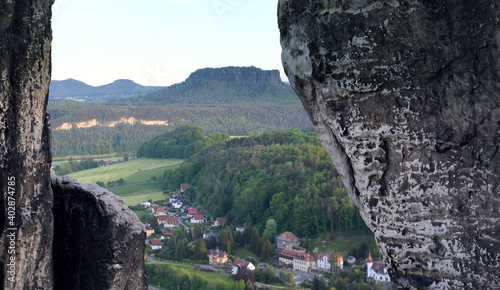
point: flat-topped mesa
(405, 98)
(237, 75)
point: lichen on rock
(405, 98)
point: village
(291, 262)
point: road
(182, 223)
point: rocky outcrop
(237, 75)
(405, 98)
(26, 199)
(98, 241)
(33, 253)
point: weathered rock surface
(108, 245)
(98, 241)
(26, 199)
(405, 97)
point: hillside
(71, 90)
(222, 85)
(286, 176)
(232, 100)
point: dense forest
(230, 119)
(285, 176)
(181, 143)
(102, 140)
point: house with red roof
(197, 219)
(287, 240)
(156, 244)
(304, 262)
(159, 210)
(184, 186)
(220, 221)
(192, 211)
(167, 234)
(217, 257)
(287, 256)
(171, 222)
(162, 219)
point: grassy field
(244, 252)
(134, 194)
(212, 277)
(146, 175)
(122, 170)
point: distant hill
(70, 90)
(221, 85)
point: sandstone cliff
(98, 241)
(405, 98)
(93, 231)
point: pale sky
(160, 42)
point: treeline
(286, 176)
(181, 143)
(73, 165)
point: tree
(271, 230)
(200, 250)
(290, 278)
(318, 284)
(267, 249)
(180, 250)
(226, 241)
(217, 212)
(245, 275)
(211, 242)
(254, 239)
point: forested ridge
(180, 143)
(235, 119)
(286, 176)
(231, 100)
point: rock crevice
(85, 237)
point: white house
(376, 270)
(156, 244)
(146, 203)
(177, 204)
(240, 264)
(198, 219)
(323, 262)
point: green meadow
(134, 194)
(141, 178)
(123, 170)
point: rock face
(405, 97)
(98, 241)
(33, 253)
(26, 199)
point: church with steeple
(376, 270)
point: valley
(174, 157)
